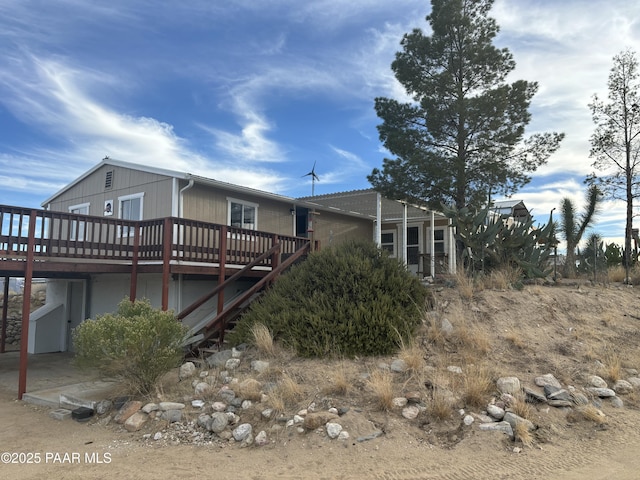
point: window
(438, 241)
(130, 208)
(78, 228)
(413, 245)
(388, 241)
(243, 214)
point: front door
(413, 249)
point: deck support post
(26, 306)
(5, 310)
(166, 262)
(222, 261)
(134, 264)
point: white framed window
(78, 228)
(388, 241)
(438, 241)
(130, 207)
(242, 214)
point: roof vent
(108, 180)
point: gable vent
(108, 180)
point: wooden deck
(71, 245)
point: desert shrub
(138, 344)
(351, 299)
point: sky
(257, 92)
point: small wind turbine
(314, 178)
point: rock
(197, 403)
(468, 420)
(104, 406)
(483, 418)
(580, 399)
(232, 363)
(400, 402)
(504, 427)
(259, 366)
(616, 402)
(560, 403)
(204, 420)
(164, 406)
(218, 422)
(446, 327)
(318, 419)
(634, 381)
(261, 439)
(219, 359)
(495, 412)
(218, 406)
(333, 429)
(509, 385)
(454, 369)
(242, 432)
(344, 435)
(128, 409)
(136, 421)
(534, 395)
(187, 370)
(513, 420)
(601, 392)
(398, 366)
(413, 397)
(410, 412)
(547, 379)
(622, 387)
(598, 382)
(172, 416)
(250, 389)
(202, 388)
(559, 394)
(150, 407)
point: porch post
(166, 262)
(5, 307)
(134, 265)
(432, 247)
(404, 233)
(26, 306)
(378, 232)
(453, 261)
(222, 254)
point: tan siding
(332, 229)
(156, 188)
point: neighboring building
(510, 212)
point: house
(510, 212)
(422, 238)
(198, 246)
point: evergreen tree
(462, 137)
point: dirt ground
(570, 331)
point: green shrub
(352, 299)
(138, 344)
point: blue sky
(254, 92)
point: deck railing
(68, 235)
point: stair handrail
(235, 276)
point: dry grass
(440, 406)
(612, 369)
(591, 413)
(381, 384)
(502, 279)
(263, 340)
(515, 340)
(413, 357)
(520, 407)
(523, 434)
(339, 383)
(471, 339)
(478, 385)
(465, 284)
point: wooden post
(222, 260)
(26, 306)
(5, 308)
(134, 264)
(166, 262)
